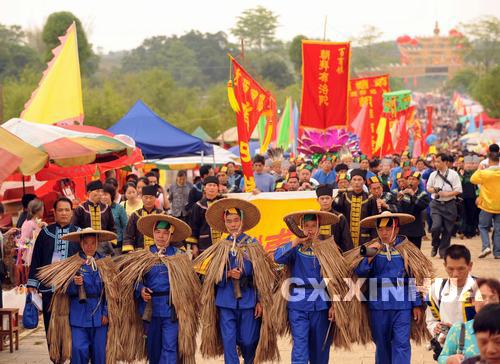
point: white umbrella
(220, 156)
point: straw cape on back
(185, 291)
(60, 275)
(263, 275)
(417, 266)
(333, 270)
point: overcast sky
(115, 25)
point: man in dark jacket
(49, 248)
(202, 235)
(386, 201)
(414, 201)
(356, 205)
(196, 192)
(133, 239)
(339, 231)
(96, 215)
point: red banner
(249, 101)
(325, 80)
(368, 91)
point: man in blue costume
(325, 175)
(86, 281)
(93, 213)
(166, 288)
(310, 312)
(50, 248)
(236, 288)
(392, 265)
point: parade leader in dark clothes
(49, 248)
(356, 205)
(339, 231)
(203, 235)
(133, 239)
(413, 202)
(96, 215)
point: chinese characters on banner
(249, 100)
(325, 80)
(368, 91)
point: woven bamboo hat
(325, 218)
(146, 225)
(215, 213)
(371, 222)
(101, 235)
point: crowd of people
(139, 260)
(170, 245)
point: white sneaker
(485, 252)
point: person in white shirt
(448, 301)
(444, 184)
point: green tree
(463, 81)
(295, 52)
(256, 27)
(15, 54)
(211, 53)
(487, 91)
(17, 90)
(194, 59)
(56, 26)
(276, 70)
(481, 43)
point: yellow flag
(380, 133)
(58, 98)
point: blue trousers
(391, 334)
(88, 344)
(238, 327)
(309, 329)
(486, 219)
(161, 342)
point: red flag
(403, 121)
(367, 91)
(383, 145)
(417, 139)
(363, 129)
(249, 101)
(428, 129)
(325, 82)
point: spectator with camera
(444, 184)
(414, 201)
(448, 301)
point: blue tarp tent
(155, 136)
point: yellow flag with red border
(58, 98)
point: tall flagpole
(324, 28)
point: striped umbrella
(66, 148)
(19, 156)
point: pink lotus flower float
(331, 141)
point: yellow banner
(58, 98)
(272, 230)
